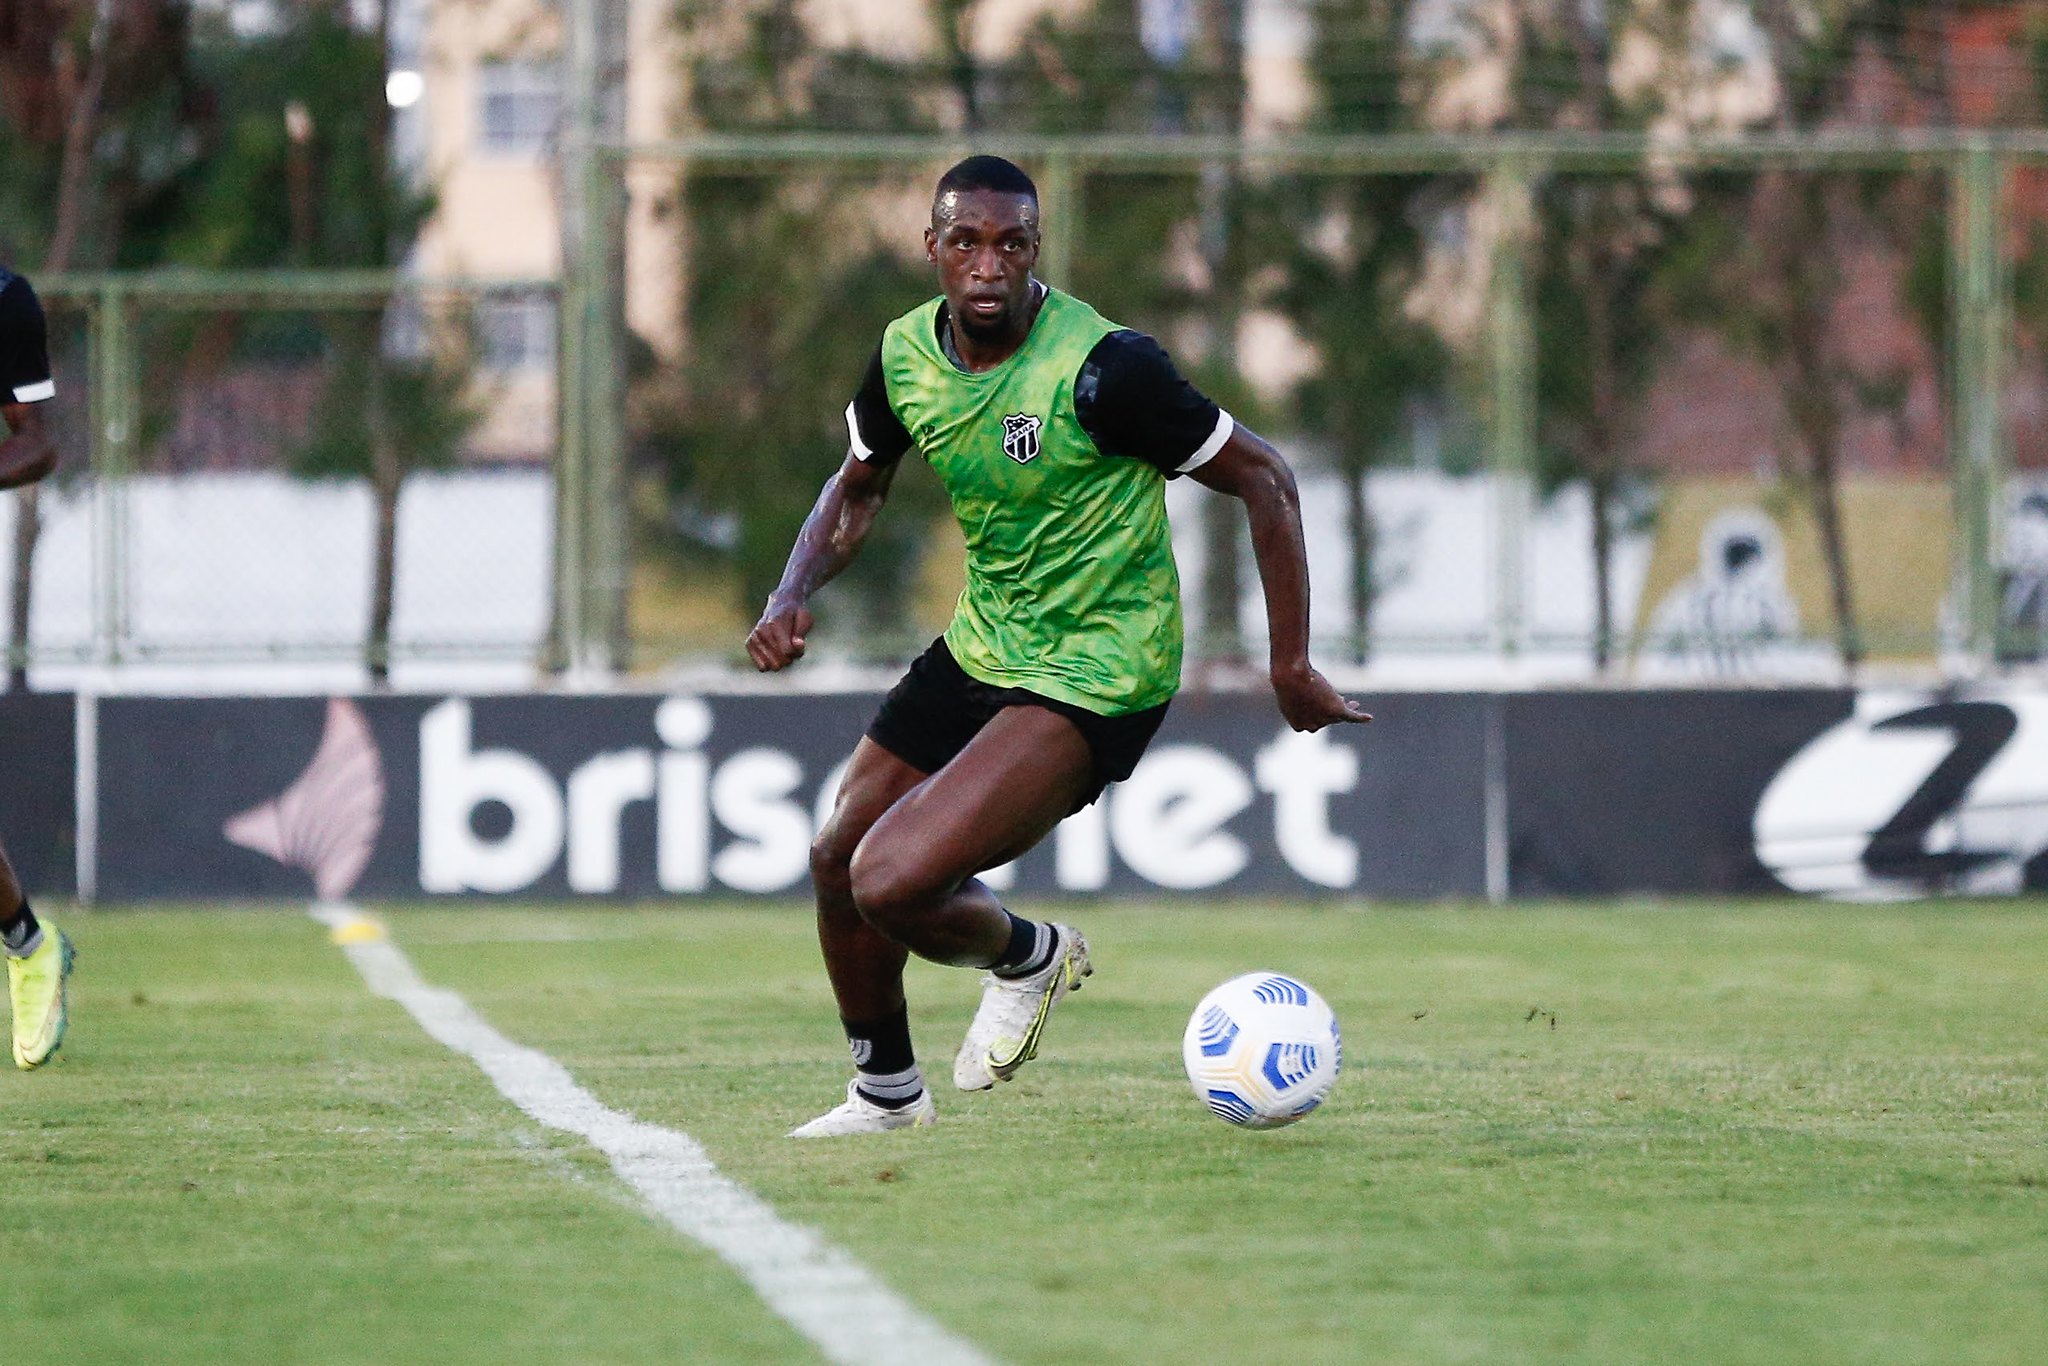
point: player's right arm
(29, 452)
(837, 525)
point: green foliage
(1691, 285)
(30, 176)
(1121, 265)
(430, 407)
(773, 77)
(1350, 298)
(2030, 281)
(325, 197)
(1774, 292)
(143, 126)
(1602, 245)
(2030, 270)
(1088, 72)
(1350, 302)
(791, 283)
(792, 288)
(238, 202)
(1347, 251)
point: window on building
(519, 104)
(517, 332)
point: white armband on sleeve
(1225, 425)
(857, 448)
(37, 392)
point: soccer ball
(1262, 1050)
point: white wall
(222, 568)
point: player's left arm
(1250, 470)
(29, 452)
(1133, 402)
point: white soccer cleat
(859, 1115)
(1011, 1021)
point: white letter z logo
(1020, 437)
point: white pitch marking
(821, 1291)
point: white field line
(821, 1291)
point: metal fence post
(566, 632)
(115, 407)
(590, 578)
(574, 378)
(1062, 224)
(1979, 322)
(607, 532)
(1511, 384)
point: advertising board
(623, 796)
(39, 799)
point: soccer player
(38, 955)
(1054, 431)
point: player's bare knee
(832, 883)
(874, 883)
(889, 889)
(832, 856)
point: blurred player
(2023, 582)
(1734, 616)
(1054, 432)
(38, 954)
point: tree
(155, 135)
(785, 328)
(1352, 251)
(95, 101)
(1219, 107)
(1602, 241)
(1765, 266)
(790, 284)
(1105, 70)
(299, 173)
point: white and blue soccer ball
(1262, 1050)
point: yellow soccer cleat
(36, 984)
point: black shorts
(937, 707)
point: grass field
(1774, 1132)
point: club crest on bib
(1020, 437)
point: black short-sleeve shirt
(1128, 395)
(24, 343)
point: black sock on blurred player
(1031, 948)
(881, 1052)
(20, 933)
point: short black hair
(987, 173)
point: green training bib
(1071, 586)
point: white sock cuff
(1044, 941)
(902, 1085)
